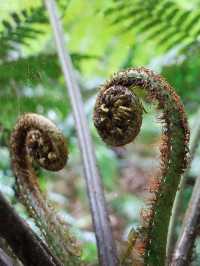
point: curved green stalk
(116, 117)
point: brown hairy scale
(36, 140)
(152, 236)
(118, 116)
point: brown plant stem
(185, 243)
(7, 249)
(23, 241)
(195, 136)
(5, 260)
(106, 246)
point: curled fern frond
(118, 122)
(36, 139)
(118, 115)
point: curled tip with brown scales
(118, 117)
(35, 139)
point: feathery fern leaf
(19, 28)
(36, 69)
(161, 20)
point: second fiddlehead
(36, 139)
(117, 117)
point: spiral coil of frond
(36, 139)
(118, 121)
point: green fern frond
(37, 69)
(161, 20)
(19, 28)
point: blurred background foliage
(103, 36)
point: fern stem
(5, 260)
(183, 249)
(118, 122)
(106, 246)
(195, 136)
(23, 241)
(37, 139)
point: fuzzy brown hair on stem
(35, 139)
(117, 117)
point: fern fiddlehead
(35, 138)
(117, 117)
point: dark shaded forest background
(103, 37)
